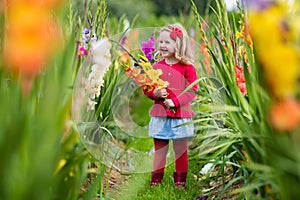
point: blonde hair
(183, 51)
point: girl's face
(166, 45)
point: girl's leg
(180, 147)
(160, 153)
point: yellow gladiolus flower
(281, 64)
(275, 46)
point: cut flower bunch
(144, 74)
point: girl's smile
(166, 45)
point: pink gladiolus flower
(81, 52)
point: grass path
(137, 187)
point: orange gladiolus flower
(125, 58)
(44, 3)
(141, 79)
(206, 57)
(30, 38)
(135, 72)
(285, 115)
(145, 75)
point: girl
(171, 107)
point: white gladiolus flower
(101, 60)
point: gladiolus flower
(285, 115)
(28, 43)
(258, 4)
(31, 38)
(100, 52)
(154, 74)
(206, 57)
(240, 79)
(148, 48)
(125, 58)
(88, 36)
(145, 75)
(135, 72)
(141, 79)
(277, 51)
(81, 52)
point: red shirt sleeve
(150, 94)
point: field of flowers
(74, 117)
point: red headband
(176, 32)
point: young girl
(171, 106)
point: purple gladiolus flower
(88, 37)
(148, 48)
(86, 32)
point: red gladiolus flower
(240, 79)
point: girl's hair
(183, 51)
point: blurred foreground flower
(275, 42)
(275, 38)
(30, 39)
(258, 4)
(285, 115)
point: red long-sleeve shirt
(179, 76)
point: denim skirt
(170, 128)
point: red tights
(180, 147)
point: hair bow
(176, 32)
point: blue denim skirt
(170, 128)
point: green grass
(138, 187)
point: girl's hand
(160, 93)
(169, 103)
